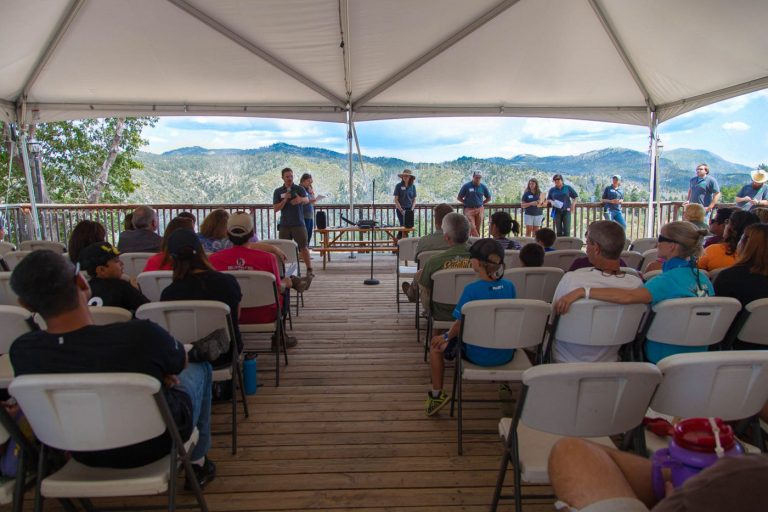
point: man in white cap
(474, 195)
(756, 193)
(612, 199)
(405, 196)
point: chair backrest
(694, 322)
(406, 249)
(7, 296)
(627, 244)
(504, 323)
(536, 283)
(48, 245)
(187, 320)
(631, 271)
(93, 411)
(755, 329)
(105, 315)
(731, 384)
(632, 258)
(588, 399)
(512, 259)
(568, 242)
(649, 257)
(134, 262)
(647, 276)
(598, 323)
(258, 288)
(448, 284)
(712, 274)
(14, 321)
(562, 258)
(13, 258)
(6, 247)
(153, 283)
(291, 250)
(425, 256)
(523, 240)
(643, 244)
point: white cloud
(549, 128)
(735, 126)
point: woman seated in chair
(195, 279)
(723, 254)
(679, 244)
(86, 232)
(163, 259)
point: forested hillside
(199, 175)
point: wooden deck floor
(346, 429)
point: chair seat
(6, 371)
(512, 371)
(535, 446)
(258, 328)
(222, 374)
(442, 324)
(6, 492)
(76, 480)
(407, 270)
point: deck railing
(57, 220)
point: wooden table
(351, 239)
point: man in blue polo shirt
(704, 189)
(612, 198)
(473, 196)
(289, 200)
(562, 199)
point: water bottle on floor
(249, 374)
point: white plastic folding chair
(102, 411)
(191, 320)
(7, 296)
(512, 259)
(14, 321)
(134, 262)
(13, 258)
(48, 245)
(568, 242)
(752, 325)
(731, 385)
(647, 276)
(627, 244)
(447, 286)
(522, 240)
(290, 267)
(406, 251)
(643, 244)
(562, 258)
(597, 324)
(591, 400)
(649, 257)
(631, 271)
(537, 283)
(632, 258)
(259, 289)
(496, 324)
(712, 274)
(6, 247)
(153, 283)
(105, 315)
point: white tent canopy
(607, 60)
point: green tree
(89, 160)
(729, 193)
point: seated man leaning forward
(487, 260)
(605, 241)
(434, 241)
(49, 284)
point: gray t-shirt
(747, 191)
(702, 190)
(139, 240)
(292, 215)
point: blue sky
(735, 129)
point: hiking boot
(409, 291)
(301, 284)
(435, 404)
(290, 341)
(204, 474)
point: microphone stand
(372, 281)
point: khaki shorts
(296, 233)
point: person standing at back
(405, 196)
(290, 200)
(309, 208)
(612, 199)
(704, 189)
(532, 202)
(562, 199)
(474, 195)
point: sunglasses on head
(662, 238)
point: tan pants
(475, 218)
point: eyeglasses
(662, 238)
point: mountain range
(201, 175)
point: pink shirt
(155, 263)
(243, 258)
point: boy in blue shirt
(487, 260)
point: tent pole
(30, 183)
(652, 216)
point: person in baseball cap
(108, 287)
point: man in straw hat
(755, 194)
(405, 196)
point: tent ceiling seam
(622, 53)
(718, 95)
(435, 51)
(256, 50)
(50, 48)
(346, 55)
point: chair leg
(241, 384)
(18, 487)
(172, 479)
(233, 392)
(518, 475)
(500, 480)
(453, 391)
(460, 420)
(428, 337)
(39, 480)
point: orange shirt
(715, 257)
